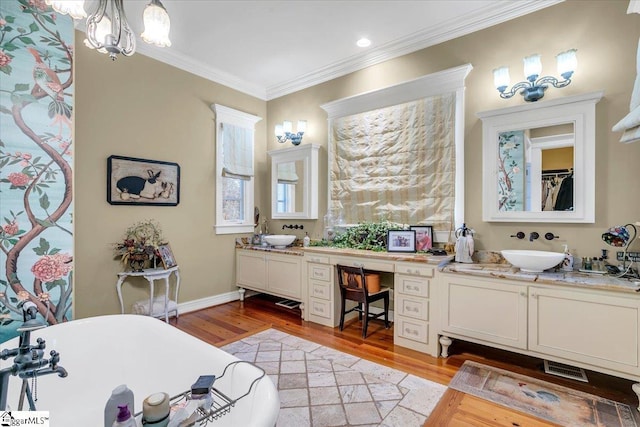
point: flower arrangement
(141, 240)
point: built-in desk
(409, 275)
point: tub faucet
(28, 359)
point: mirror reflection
(535, 169)
(290, 186)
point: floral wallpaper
(511, 185)
(36, 176)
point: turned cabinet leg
(302, 310)
(241, 291)
(445, 342)
(636, 389)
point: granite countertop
(575, 278)
(389, 256)
(245, 243)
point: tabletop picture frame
(134, 181)
(424, 237)
(401, 241)
(166, 256)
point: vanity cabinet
(269, 272)
(485, 310)
(594, 329)
(323, 292)
(412, 315)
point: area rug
(320, 386)
(541, 399)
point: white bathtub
(147, 355)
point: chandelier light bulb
(73, 8)
(156, 25)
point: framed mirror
(539, 161)
(294, 182)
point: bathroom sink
(532, 261)
(280, 241)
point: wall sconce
(108, 30)
(533, 89)
(284, 132)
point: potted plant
(140, 244)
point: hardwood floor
(229, 322)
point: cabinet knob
(523, 294)
(358, 264)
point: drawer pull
(358, 264)
(411, 331)
(523, 294)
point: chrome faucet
(28, 359)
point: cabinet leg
(302, 310)
(445, 342)
(241, 291)
(636, 389)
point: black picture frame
(424, 237)
(167, 257)
(134, 181)
(401, 241)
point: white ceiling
(271, 48)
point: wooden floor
(229, 322)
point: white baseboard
(199, 304)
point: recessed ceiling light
(363, 42)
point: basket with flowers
(139, 244)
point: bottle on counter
(567, 263)
(124, 418)
(120, 395)
(306, 241)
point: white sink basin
(533, 261)
(280, 241)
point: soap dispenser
(567, 263)
(124, 418)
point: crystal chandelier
(108, 30)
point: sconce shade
(287, 126)
(279, 131)
(532, 67)
(73, 8)
(156, 24)
(501, 78)
(302, 126)
(533, 88)
(567, 63)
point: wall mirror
(539, 161)
(294, 182)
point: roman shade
(287, 173)
(237, 152)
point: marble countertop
(389, 256)
(564, 278)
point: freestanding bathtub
(147, 355)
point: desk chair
(353, 287)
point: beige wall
(142, 108)
(606, 39)
(139, 107)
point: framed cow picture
(132, 181)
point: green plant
(366, 235)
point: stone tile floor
(320, 386)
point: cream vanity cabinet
(485, 310)
(591, 328)
(270, 272)
(413, 308)
(322, 291)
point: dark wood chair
(353, 287)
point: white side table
(152, 274)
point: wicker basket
(373, 281)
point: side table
(151, 275)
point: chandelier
(108, 30)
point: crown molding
(472, 22)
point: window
(234, 170)
(286, 197)
(398, 153)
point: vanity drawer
(319, 272)
(320, 290)
(367, 264)
(320, 259)
(418, 308)
(412, 285)
(320, 308)
(413, 330)
(415, 269)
